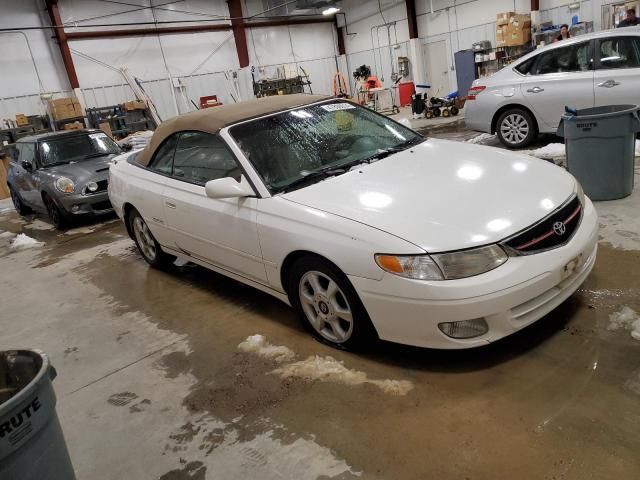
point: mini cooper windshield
(298, 147)
(70, 149)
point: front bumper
(77, 204)
(509, 298)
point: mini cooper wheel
(20, 207)
(147, 245)
(516, 128)
(57, 217)
(328, 304)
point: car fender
(285, 227)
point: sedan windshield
(76, 148)
(297, 147)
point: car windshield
(76, 148)
(308, 143)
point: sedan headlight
(579, 192)
(444, 266)
(65, 185)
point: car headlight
(579, 192)
(92, 187)
(444, 266)
(65, 185)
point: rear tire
(446, 113)
(455, 110)
(56, 215)
(20, 207)
(328, 304)
(516, 128)
(436, 112)
(147, 245)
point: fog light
(75, 208)
(92, 186)
(464, 329)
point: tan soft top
(212, 120)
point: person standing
(564, 33)
(630, 19)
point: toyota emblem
(559, 228)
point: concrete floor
(152, 385)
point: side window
(201, 157)
(27, 153)
(574, 58)
(162, 161)
(525, 67)
(619, 52)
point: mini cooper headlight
(65, 185)
(92, 187)
(444, 266)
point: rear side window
(574, 58)
(525, 67)
(201, 157)
(619, 52)
(162, 161)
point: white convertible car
(365, 227)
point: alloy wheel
(326, 307)
(145, 240)
(17, 203)
(514, 128)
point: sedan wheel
(328, 304)
(516, 128)
(147, 245)
(326, 307)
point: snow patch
(6, 205)
(482, 139)
(39, 225)
(328, 369)
(626, 319)
(548, 152)
(406, 122)
(259, 345)
(6, 234)
(23, 241)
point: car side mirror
(26, 165)
(228, 187)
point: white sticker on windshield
(97, 135)
(332, 107)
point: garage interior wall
(202, 63)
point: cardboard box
(503, 18)
(501, 36)
(518, 36)
(106, 128)
(64, 108)
(73, 126)
(4, 168)
(520, 21)
(22, 120)
(134, 105)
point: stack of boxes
(513, 29)
(22, 120)
(65, 108)
(134, 105)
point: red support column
(412, 19)
(61, 37)
(235, 11)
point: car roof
(618, 32)
(56, 135)
(214, 119)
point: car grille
(105, 205)
(552, 232)
(102, 187)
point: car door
(560, 76)
(28, 179)
(617, 75)
(219, 231)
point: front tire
(516, 128)
(147, 245)
(56, 215)
(20, 207)
(329, 305)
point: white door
(219, 231)
(617, 77)
(437, 68)
(559, 77)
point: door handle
(170, 205)
(609, 84)
(535, 90)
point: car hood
(84, 169)
(443, 195)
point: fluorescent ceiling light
(330, 11)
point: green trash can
(600, 147)
(32, 446)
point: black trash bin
(600, 148)
(32, 446)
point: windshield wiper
(385, 152)
(325, 172)
(94, 155)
